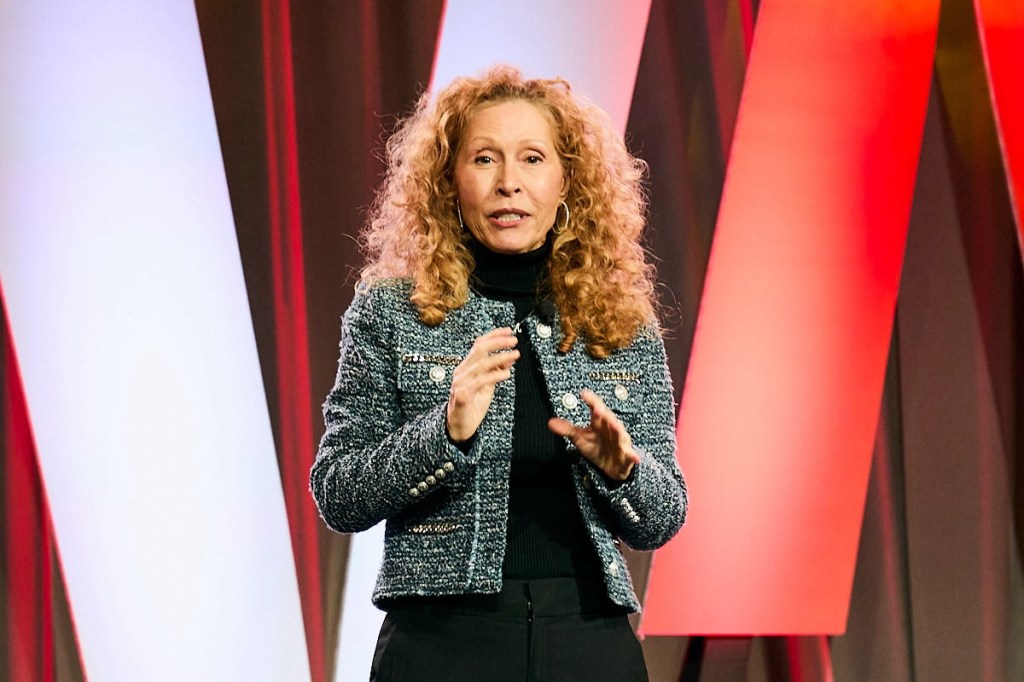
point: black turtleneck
(546, 535)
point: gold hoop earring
(458, 210)
(561, 228)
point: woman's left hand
(605, 442)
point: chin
(515, 245)
(503, 246)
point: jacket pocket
(619, 388)
(425, 379)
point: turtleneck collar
(509, 274)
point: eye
(482, 159)
(534, 159)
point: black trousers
(547, 630)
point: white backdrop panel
(124, 287)
(593, 44)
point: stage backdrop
(835, 213)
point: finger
(484, 360)
(490, 363)
(479, 388)
(502, 337)
(601, 416)
(484, 372)
(496, 376)
(564, 428)
(604, 421)
(593, 401)
(492, 344)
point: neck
(509, 273)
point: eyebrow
(487, 142)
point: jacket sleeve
(370, 464)
(649, 508)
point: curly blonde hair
(599, 278)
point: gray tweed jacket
(386, 455)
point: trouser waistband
(541, 598)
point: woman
(502, 398)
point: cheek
(557, 190)
(462, 180)
(557, 183)
(469, 190)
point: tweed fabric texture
(385, 454)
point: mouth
(508, 217)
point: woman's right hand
(489, 361)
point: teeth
(507, 217)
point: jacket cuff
(618, 494)
(443, 461)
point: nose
(508, 181)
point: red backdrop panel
(781, 401)
(1001, 25)
(26, 537)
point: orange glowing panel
(1001, 24)
(782, 396)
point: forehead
(512, 120)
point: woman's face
(509, 176)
